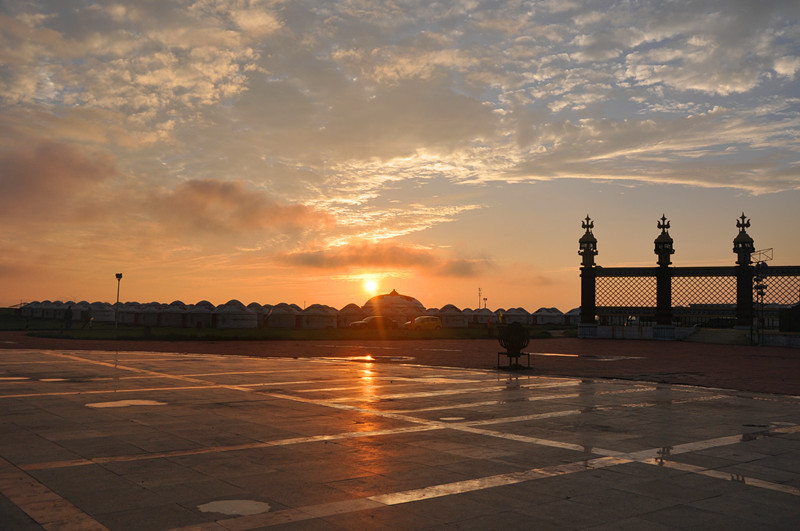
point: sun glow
(371, 287)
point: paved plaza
(156, 441)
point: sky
(294, 151)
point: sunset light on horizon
(325, 152)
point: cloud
(50, 178)
(228, 208)
(388, 256)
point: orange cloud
(387, 255)
(46, 179)
(223, 207)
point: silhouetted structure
(666, 296)
(513, 337)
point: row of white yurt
(234, 314)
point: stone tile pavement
(147, 440)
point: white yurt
(127, 313)
(37, 309)
(148, 314)
(48, 310)
(207, 305)
(81, 311)
(283, 316)
(484, 317)
(26, 310)
(234, 314)
(102, 312)
(350, 314)
(573, 316)
(469, 313)
(548, 316)
(260, 311)
(199, 315)
(174, 315)
(319, 316)
(517, 315)
(452, 317)
(60, 310)
(400, 308)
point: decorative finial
(743, 224)
(663, 224)
(588, 224)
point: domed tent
(174, 315)
(128, 313)
(452, 317)
(395, 306)
(199, 315)
(548, 316)
(102, 312)
(26, 310)
(37, 309)
(573, 316)
(48, 309)
(319, 316)
(81, 311)
(148, 314)
(483, 317)
(283, 316)
(517, 315)
(60, 310)
(350, 314)
(207, 305)
(234, 314)
(260, 312)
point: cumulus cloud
(388, 256)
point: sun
(370, 286)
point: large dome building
(395, 306)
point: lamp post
(116, 306)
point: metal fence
(704, 296)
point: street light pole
(116, 307)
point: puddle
(126, 403)
(586, 356)
(366, 358)
(451, 419)
(435, 379)
(235, 507)
(53, 380)
(13, 378)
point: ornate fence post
(744, 247)
(588, 250)
(664, 249)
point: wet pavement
(154, 440)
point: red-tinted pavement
(745, 368)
